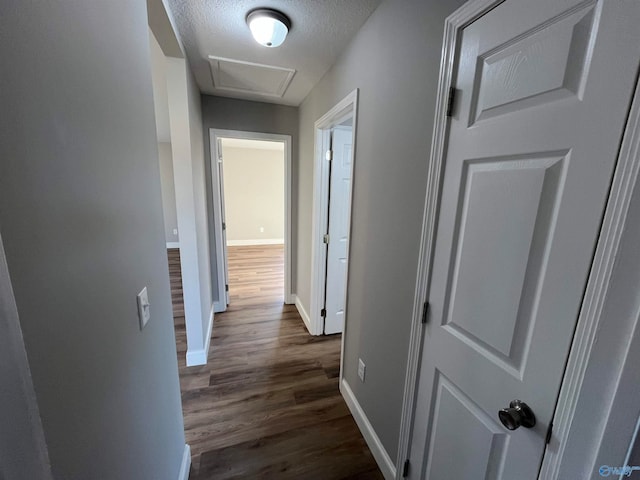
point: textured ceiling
(320, 30)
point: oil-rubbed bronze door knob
(518, 414)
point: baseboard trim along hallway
(383, 459)
(303, 313)
(199, 357)
(185, 466)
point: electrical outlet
(361, 369)
(144, 308)
(175, 231)
(261, 229)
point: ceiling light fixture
(268, 27)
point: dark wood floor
(267, 403)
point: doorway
(333, 181)
(251, 189)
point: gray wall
(394, 61)
(23, 451)
(243, 115)
(81, 220)
(168, 192)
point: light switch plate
(144, 308)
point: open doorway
(252, 215)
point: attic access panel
(247, 77)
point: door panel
(339, 205)
(530, 155)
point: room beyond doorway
(251, 189)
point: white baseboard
(173, 244)
(185, 466)
(200, 356)
(383, 460)
(303, 313)
(289, 298)
(255, 241)
(219, 306)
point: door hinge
(323, 312)
(226, 288)
(329, 155)
(425, 312)
(325, 238)
(451, 101)
(549, 433)
(224, 226)
(405, 469)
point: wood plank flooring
(267, 404)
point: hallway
(267, 404)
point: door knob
(518, 414)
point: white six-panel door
(543, 88)
(339, 206)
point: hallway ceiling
(320, 30)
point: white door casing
(217, 188)
(342, 111)
(532, 147)
(223, 216)
(338, 246)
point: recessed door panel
(547, 63)
(505, 218)
(461, 427)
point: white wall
(187, 145)
(82, 227)
(160, 98)
(254, 194)
(163, 132)
(394, 60)
(165, 159)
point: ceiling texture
(226, 61)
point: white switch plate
(361, 369)
(144, 308)
(175, 231)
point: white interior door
(543, 89)
(224, 219)
(338, 247)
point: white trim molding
(346, 108)
(173, 244)
(625, 177)
(200, 356)
(381, 456)
(303, 313)
(185, 465)
(255, 241)
(453, 24)
(214, 134)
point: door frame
(589, 319)
(214, 135)
(346, 108)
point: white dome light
(268, 27)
